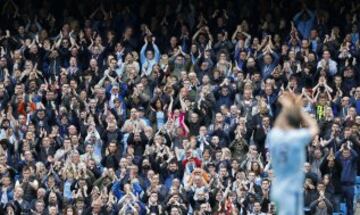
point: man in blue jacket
(304, 21)
(6, 191)
(347, 158)
(267, 61)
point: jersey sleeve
(304, 136)
(301, 136)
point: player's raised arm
(310, 123)
(293, 116)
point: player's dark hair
(294, 119)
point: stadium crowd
(163, 106)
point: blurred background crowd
(163, 106)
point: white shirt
(4, 197)
(332, 66)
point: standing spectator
(346, 156)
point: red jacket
(196, 160)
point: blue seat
(343, 208)
(338, 213)
(358, 180)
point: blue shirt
(287, 150)
(67, 189)
(160, 119)
(304, 26)
(349, 166)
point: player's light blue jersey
(287, 150)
